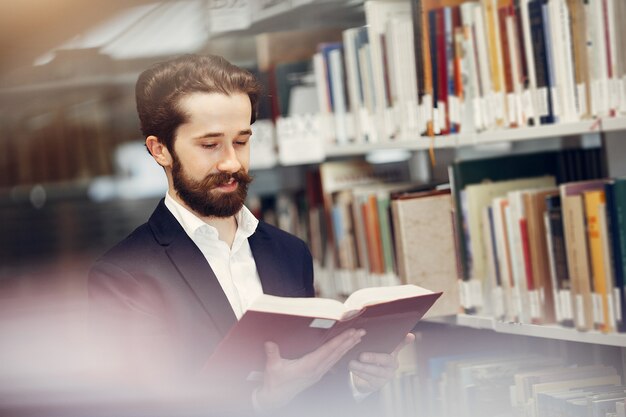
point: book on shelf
(601, 277)
(576, 244)
(301, 325)
(424, 245)
(615, 190)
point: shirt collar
(246, 222)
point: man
(177, 284)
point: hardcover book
(301, 325)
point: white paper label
(580, 311)
(478, 116)
(477, 293)
(497, 300)
(527, 104)
(302, 132)
(622, 95)
(614, 96)
(500, 105)
(535, 306)
(566, 305)
(541, 102)
(556, 102)
(611, 310)
(557, 306)
(582, 99)
(465, 294)
(226, 16)
(455, 109)
(618, 304)
(598, 314)
(511, 105)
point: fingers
(272, 354)
(410, 338)
(370, 371)
(327, 355)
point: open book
(300, 325)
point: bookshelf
(533, 330)
(562, 130)
(285, 15)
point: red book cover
(301, 325)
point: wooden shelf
(544, 331)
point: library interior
(471, 147)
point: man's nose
(229, 162)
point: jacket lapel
(268, 263)
(193, 267)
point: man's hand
(373, 370)
(285, 378)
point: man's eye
(208, 145)
(242, 142)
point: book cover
(301, 325)
(424, 246)
(602, 287)
(574, 226)
(615, 190)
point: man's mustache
(222, 178)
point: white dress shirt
(234, 266)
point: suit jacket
(158, 297)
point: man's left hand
(373, 370)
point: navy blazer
(159, 277)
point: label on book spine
(511, 105)
(541, 101)
(497, 300)
(556, 102)
(478, 115)
(527, 104)
(618, 304)
(598, 314)
(580, 311)
(582, 99)
(499, 103)
(388, 123)
(557, 306)
(412, 115)
(622, 95)
(614, 98)
(465, 294)
(611, 310)
(455, 109)
(535, 304)
(566, 305)
(477, 293)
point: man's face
(211, 153)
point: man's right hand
(285, 378)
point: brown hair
(159, 89)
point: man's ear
(159, 151)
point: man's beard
(200, 196)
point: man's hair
(160, 88)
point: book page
(299, 306)
(376, 295)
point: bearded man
(169, 292)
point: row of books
(536, 247)
(526, 385)
(439, 67)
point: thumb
(272, 353)
(410, 338)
